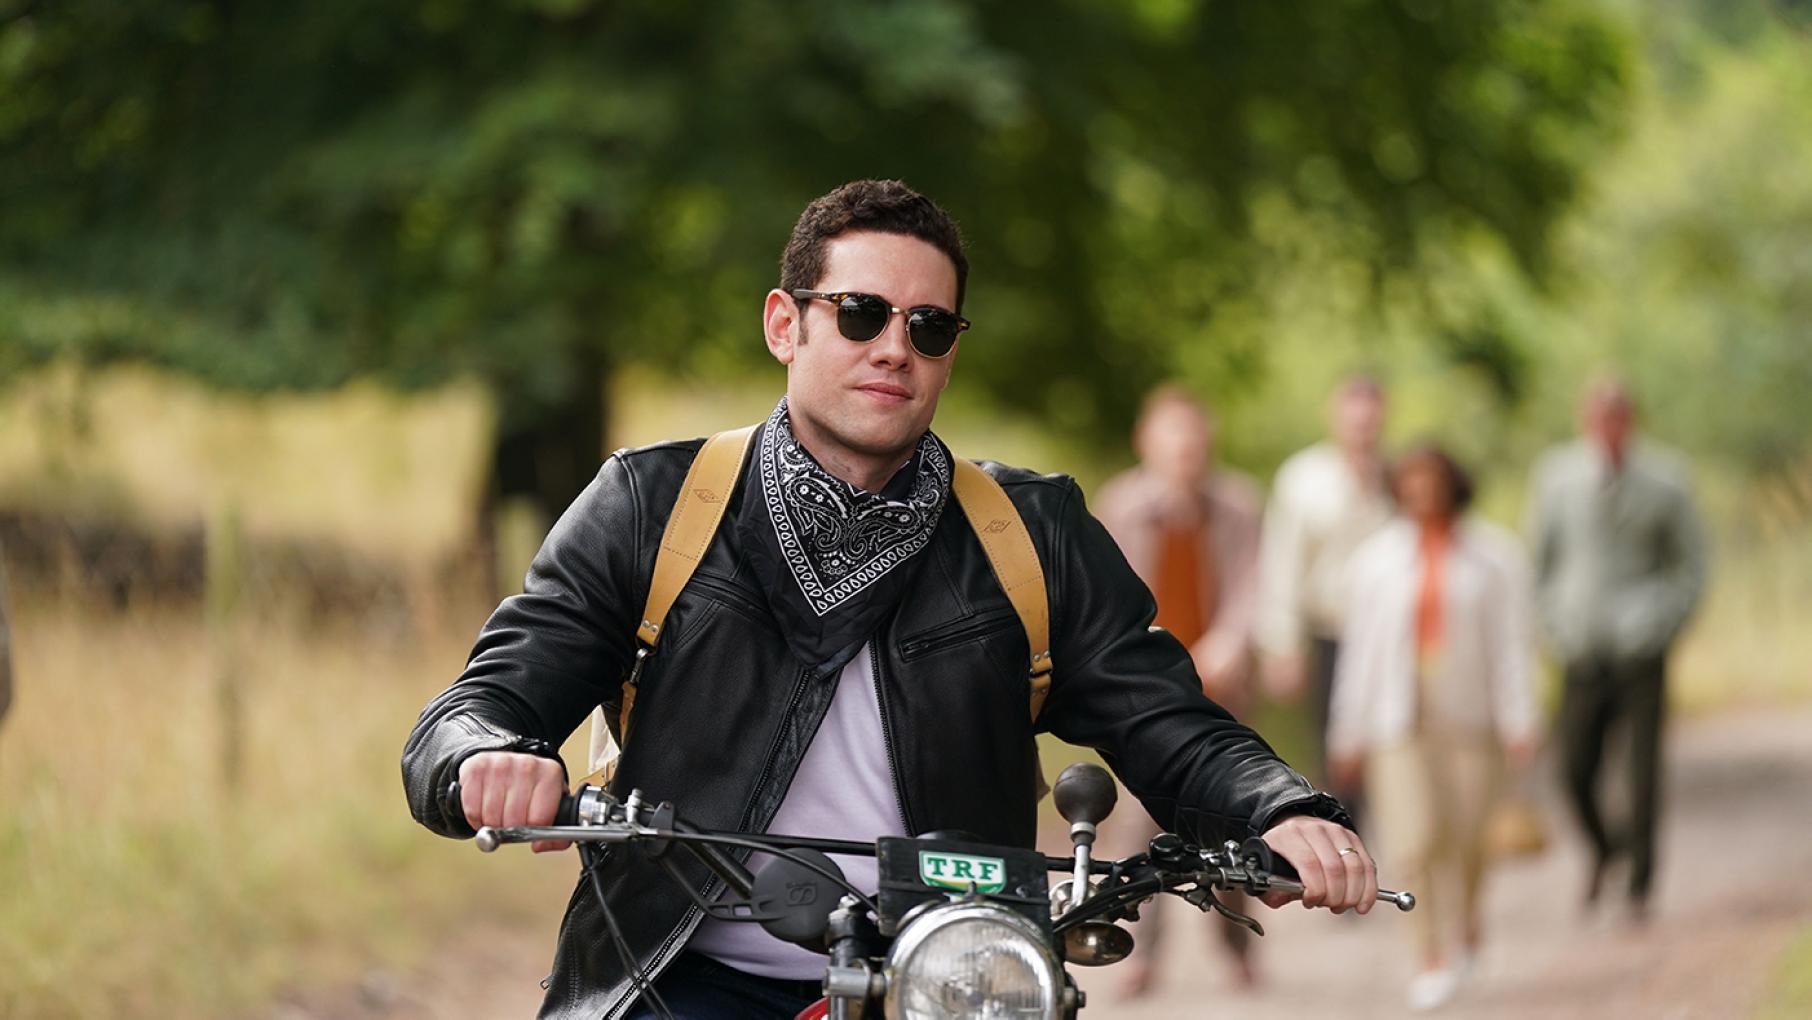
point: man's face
(1609, 420)
(1358, 419)
(871, 399)
(1177, 442)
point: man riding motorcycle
(843, 661)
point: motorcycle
(958, 927)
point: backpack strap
(697, 512)
(996, 522)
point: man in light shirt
(1326, 500)
(1619, 567)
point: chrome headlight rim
(939, 916)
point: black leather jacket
(724, 713)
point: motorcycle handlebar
(569, 821)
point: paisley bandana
(834, 558)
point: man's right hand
(504, 789)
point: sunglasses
(862, 317)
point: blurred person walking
(1326, 500)
(1619, 567)
(1189, 528)
(1433, 691)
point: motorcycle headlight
(972, 960)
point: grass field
(137, 884)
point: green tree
(535, 192)
(1695, 272)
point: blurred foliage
(1694, 267)
(1683, 263)
(279, 196)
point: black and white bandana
(834, 558)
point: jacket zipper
(670, 948)
(893, 764)
(663, 957)
(767, 764)
(914, 647)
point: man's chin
(881, 440)
(866, 433)
(882, 447)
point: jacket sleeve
(1682, 579)
(1238, 533)
(1542, 517)
(1510, 657)
(1281, 566)
(1357, 684)
(1133, 695)
(546, 657)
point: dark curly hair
(889, 207)
(1460, 487)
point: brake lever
(1202, 897)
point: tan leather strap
(700, 507)
(1010, 552)
(697, 512)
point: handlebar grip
(568, 811)
(1260, 851)
(1268, 860)
(566, 814)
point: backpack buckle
(635, 671)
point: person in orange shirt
(1190, 530)
(1433, 690)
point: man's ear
(780, 324)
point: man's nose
(892, 348)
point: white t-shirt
(843, 790)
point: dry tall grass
(1749, 642)
(132, 883)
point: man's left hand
(1331, 877)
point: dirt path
(477, 975)
(1740, 812)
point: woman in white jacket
(1433, 691)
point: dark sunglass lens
(933, 332)
(862, 317)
